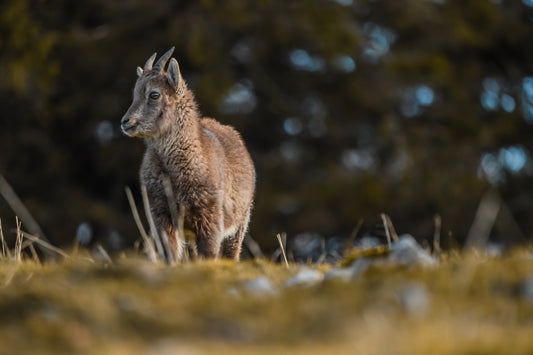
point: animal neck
(180, 145)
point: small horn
(160, 65)
(149, 62)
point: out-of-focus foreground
(350, 109)
(85, 304)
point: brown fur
(210, 170)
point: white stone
(408, 252)
(260, 286)
(414, 298)
(306, 277)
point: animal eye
(154, 95)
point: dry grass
(282, 240)
(131, 304)
(80, 304)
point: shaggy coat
(209, 168)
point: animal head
(155, 96)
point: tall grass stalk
(280, 238)
(151, 223)
(149, 248)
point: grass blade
(253, 247)
(392, 230)
(148, 243)
(153, 228)
(5, 249)
(282, 246)
(484, 220)
(135, 212)
(436, 235)
(44, 244)
(387, 232)
(18, 241)
(353, 235)
(20, 210)
(104, 253)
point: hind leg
(231, 245)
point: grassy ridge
(468, 304)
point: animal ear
(173, 74)
(139, 71)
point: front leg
(208, 225)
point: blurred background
(350, 108)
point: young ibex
(209, 168)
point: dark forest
(350, 109)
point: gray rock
(360, 265)
(414, 298)
(368, 243)
(318, 249)
(260, 286)
(355, 269)
(305, 277)
(307, 246)
(494, 250)
(334, 249)
(407, 251)
(233, 292)
(84, 233)
(344, 274)
(527, 289)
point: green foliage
(26, 46)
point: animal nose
(125, 120)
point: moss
(474, 305)
(356, 253)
